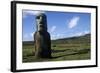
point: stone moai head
(41, 21)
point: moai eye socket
(38, 17)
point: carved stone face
(41, 22)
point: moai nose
(41, 25)
(41, 22)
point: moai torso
(42, 38)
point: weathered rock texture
(42, 38)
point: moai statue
(42, 38)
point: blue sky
(60, 24)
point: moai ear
(45, 21)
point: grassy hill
(72, 48)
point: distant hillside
(28, 42)
(78, 39)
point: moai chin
(42, 38)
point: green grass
(69, 49)
(80, 52)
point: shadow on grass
(83, 51)
(53, 51)
(68, 53)
(57, 51)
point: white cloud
(73, 22)
(57, 36)
(53, 28)
(25, 13)
(86, 32)
(81, 33)
(28, 35)
(32, 34)
(54, 36)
